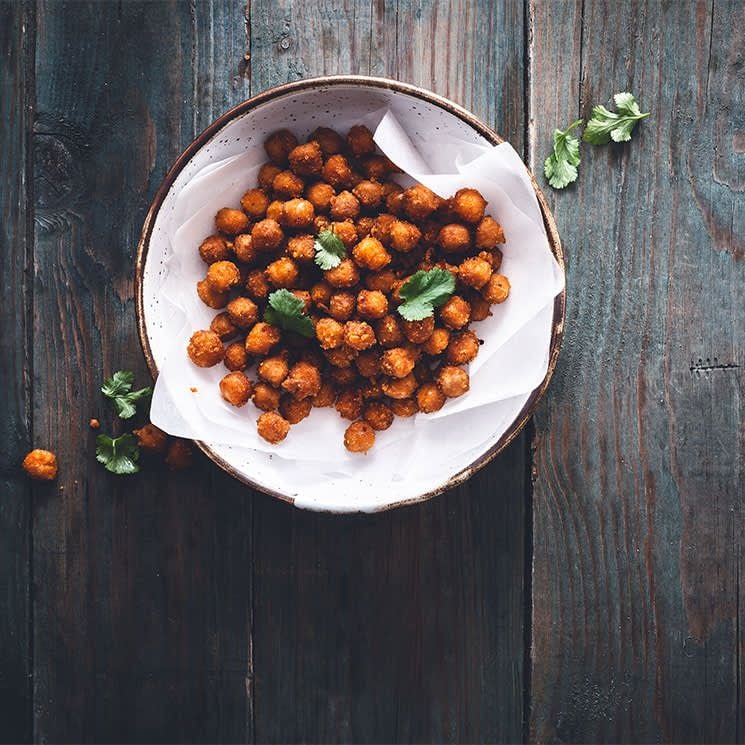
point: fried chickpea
(496, 259)
(267, 235)
(205, 348)
(272, 427)
(294, 411)
(276, 211)
(488, 234)
(307, 159)
(321, 223)
(267, 172)
(231, 221)
(370, 389)
(423, 372)
(282, 273)
(360, 140)
(222, 276)
(497, 289)
(320, 195)
(378, 167)
(346, 232)
(371, 254)
(397, 362)
(381, 281)
(273, 370)
(359, 335)
(480, 308)
(437, 343)
(349, 403)
(223, 326)
(474, 272)
(382, 228)
(368, 363)
(330, 333)
(261, 338)
(256, 285)
(420, 202)
(288, 185)
(254, 203)
(235, 356)
(302, 248)
(336, 171)
(344, 206)
(303, 380)
(265, 397)
(41, 465)
(279, 144)
(404, 406)
(343, 275)
(399, 387)
(364, 225)
(320, 295)
(179, 456)
(456, 312)
(243, 246)
(341, 356)
(243, 312)
(341, 306)
(453, 381)
(236, 388)
(343, 376)
(468, 205)
(430, 398)
(298, 213)
(359, 437)
(214, 248)
(462, 349)
(417, 332)
(371, 304)
(454, 238)
(394, 198)
(368, 193)
(388, 331)
(150, 438)
(326, 396)
(303, 295)
(404, 236)
(329, 141)
(378, 415)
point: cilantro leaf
(125, 405)
(425, 291)
(329, 250)
(605, 125)
(560, 168)
(118, 384)
(118, 389)
(288, 312)
(118, 454)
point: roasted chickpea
(215, 248)
(223, 326)
(330, 333)
(235, 356)
(236, 388)
(329, 141)
(254, 203)
(371, 254)
(453, 381)
(474, 272)
(298, 213)
(302, 248)
(256, 285)
(359, 437)
(276, 211)
(279, 144)
(343, 275)
(456, 312)
(344, 206)
(371, 304)
(454, 238)
(369, 194)
(272, 427)
(265, 397)
(244, 248)
(346, 232)
(430, 398)
(303, 295)
(349, 403)
(488, 234)
(151, 439)
(360, 140)
(358, 335)
(364, 225)
(273, 370)
(404, 236)
(303, 381)
(397, 362)
(480, 308)
(41, 465)
(370, 389)
(321, 223)
(282, 273)
(231, 221)
(404, 406)
(307, 159)
(394, 198)
(462, 349)
(368, 363)
(179, 456)
(437, 343)
(267, 235)
(320, 295)
(382, 228)
(378, 415)
(343, 376)
(341, 356)
(205, 348)
(267, 172)
(417, 332)
(378, 167)
(497, 289)
(496, 259)
(388, 331)
(320, 195)
(336, 171)
(287, 185)
(242, 312)
(261, 338)
(381, 281)
(468, 205)
(420, 202)
(341, 306)
(293, 410)
(399, 387)
(326, 396)
(222, 276)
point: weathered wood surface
(638, 490)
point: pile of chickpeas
(366, 360)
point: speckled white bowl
(247, 125)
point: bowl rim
(557, 326)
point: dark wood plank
(142, 585)
(638, 494)
(16, 112)
(405, 626)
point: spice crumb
(193, 390)
(94, 424)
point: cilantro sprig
(118, 454)
(288, 312)
(605, 125)
(329, 250)
(424, 291)
(119, 389)
(560, 167)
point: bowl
(314, 102)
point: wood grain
(638, 490)
(16, 112)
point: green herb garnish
(288, 312)
(329, 250)
(560, 167)
(118, 454)
(119, 389)
(425, 291)
(617, 126)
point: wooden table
(585, 587)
